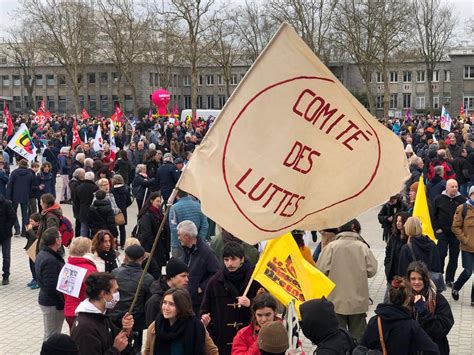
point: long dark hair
(147, 204)
(98, 240)
(420, 268)
(182, 301)
(404, 215)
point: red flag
(6, 113)
(85, 115)
(76, 139)
(42, 115)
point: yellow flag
(284, 272)
(421, 210)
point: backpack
(66, 231)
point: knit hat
(408, 149)
(471, 190)
(23, 163)
(175, 267)
(59, 344)
(135, 252)
(273, 337)
(168, 156)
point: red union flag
(85, 115)
(292, 149)
(8, 116)
(42, 115)
(76, 139)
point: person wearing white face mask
(93, 331)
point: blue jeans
(6, 246)
(467, 264)
(84, 230)
(24, 216)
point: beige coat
(209, 347)
(348, 262)
(464, 229)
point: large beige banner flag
(292, 149)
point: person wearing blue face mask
(93, 331)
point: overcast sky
(464, 9)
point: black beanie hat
(59, 344)
(175, 267)
(135, 251)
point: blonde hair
(413, 227)
(80, 246)
(131, 241)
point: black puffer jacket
(392, 255)
(101, 216)
(320, 325)
(84, 197)
(48, 265)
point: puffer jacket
(101, 216)
(463, 228)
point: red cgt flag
(42, 115)
(76, 139)
(85, 115)
(6, 113)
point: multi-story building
(452, 82)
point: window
(50, 79)
(104, 103)
(16, 103)
(378, 77)
(16, 80)
(420, 102)
(26, 103)
(447, 99)
(200, 80)
(469, 72)
(62, 79)
(420, 76)
(233, 79)
(38, 100)
(222, 100)
(92, 103)
(220, 80)
(3, 60)
(115, 101)
(447, 75)
(187, 80)
(210, 101)
(175, 80)
(39, 80)
(435, 101)
(128, 103)
(379, 101)
(157, 79)
(114, 78)
(407, 76)
(209, 80)
(435, 77)
(394, 77)
(50, 103)
(91, 78)
(62, 104)
(406, 100)
(393, 100)
(187, 102)
(199, 101)
(150, 79)
(104, 77)
(468, 102)
(5, 80)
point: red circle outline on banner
(311, 213)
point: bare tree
(22, 49)
(254, 28)
(356, 25)
(312, 19)
(66, 31)
(224, 51)
(194, 18)
(126, 32)
(434, 24)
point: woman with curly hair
(103, 249)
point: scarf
(109, 258)
(157, 212)
(238, 277)
(188, 331)
(471, 202)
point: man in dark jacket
(51, 154)
(168, 176)
(127, 277)
(320, 325)
(201, 260)
(177, 274)
(443, 209)
(18, 191)
(462, 168)
(48, 265)
(77, 179)
(7, 219)
(84, 198)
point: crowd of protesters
(198, 306)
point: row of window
(155, 79)
(406, 101)
(420, 76)
(51, 79)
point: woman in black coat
(141, 185)
(430, 308)
(123, 200)
(387, 213)
(101, 215)
(124, 167)
(85, 196)
(397, 239)
(149, 220)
